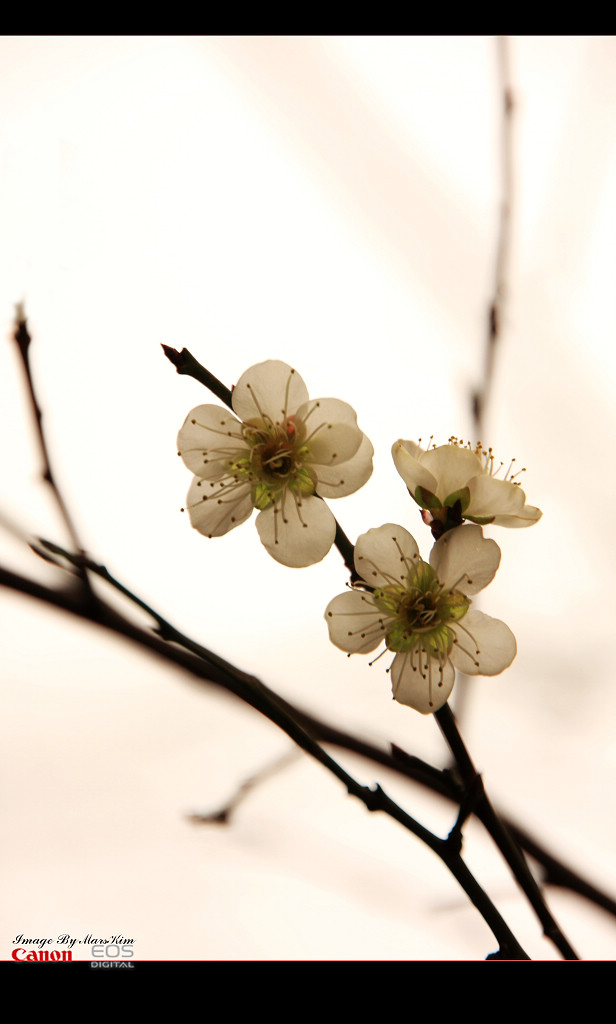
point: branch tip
(173, 356)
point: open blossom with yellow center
(280, 454)
(454, 482)
(422, 612)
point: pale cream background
(331, 202)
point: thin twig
(481, 394)
(23, 340)
(480, 397)
(186, 363)
(223, 815)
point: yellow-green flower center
(275, 461)
(422, 613)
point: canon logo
(42, 954)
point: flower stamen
(264, 416)
(286, 397)
(316, 431)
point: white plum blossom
(422, 612)
(453, 482)
(280, 454)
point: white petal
(208, 439)
(337, 482)
(330, 410)
(484, 646)
(411, 448)
(297, 533)
(527, 516)
(384, 555)
(333, 444)
(217, 507)
(268, 390)
(420, 684)
(354, 624)
(409, 467)
(465, 560)
(452, 467)
(490, 497)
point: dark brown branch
(186, 363)
(444, 782)
(500, 834)
(253, 691)
(558, 874)
(257, 695)
(412, 767)
(346, 549)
